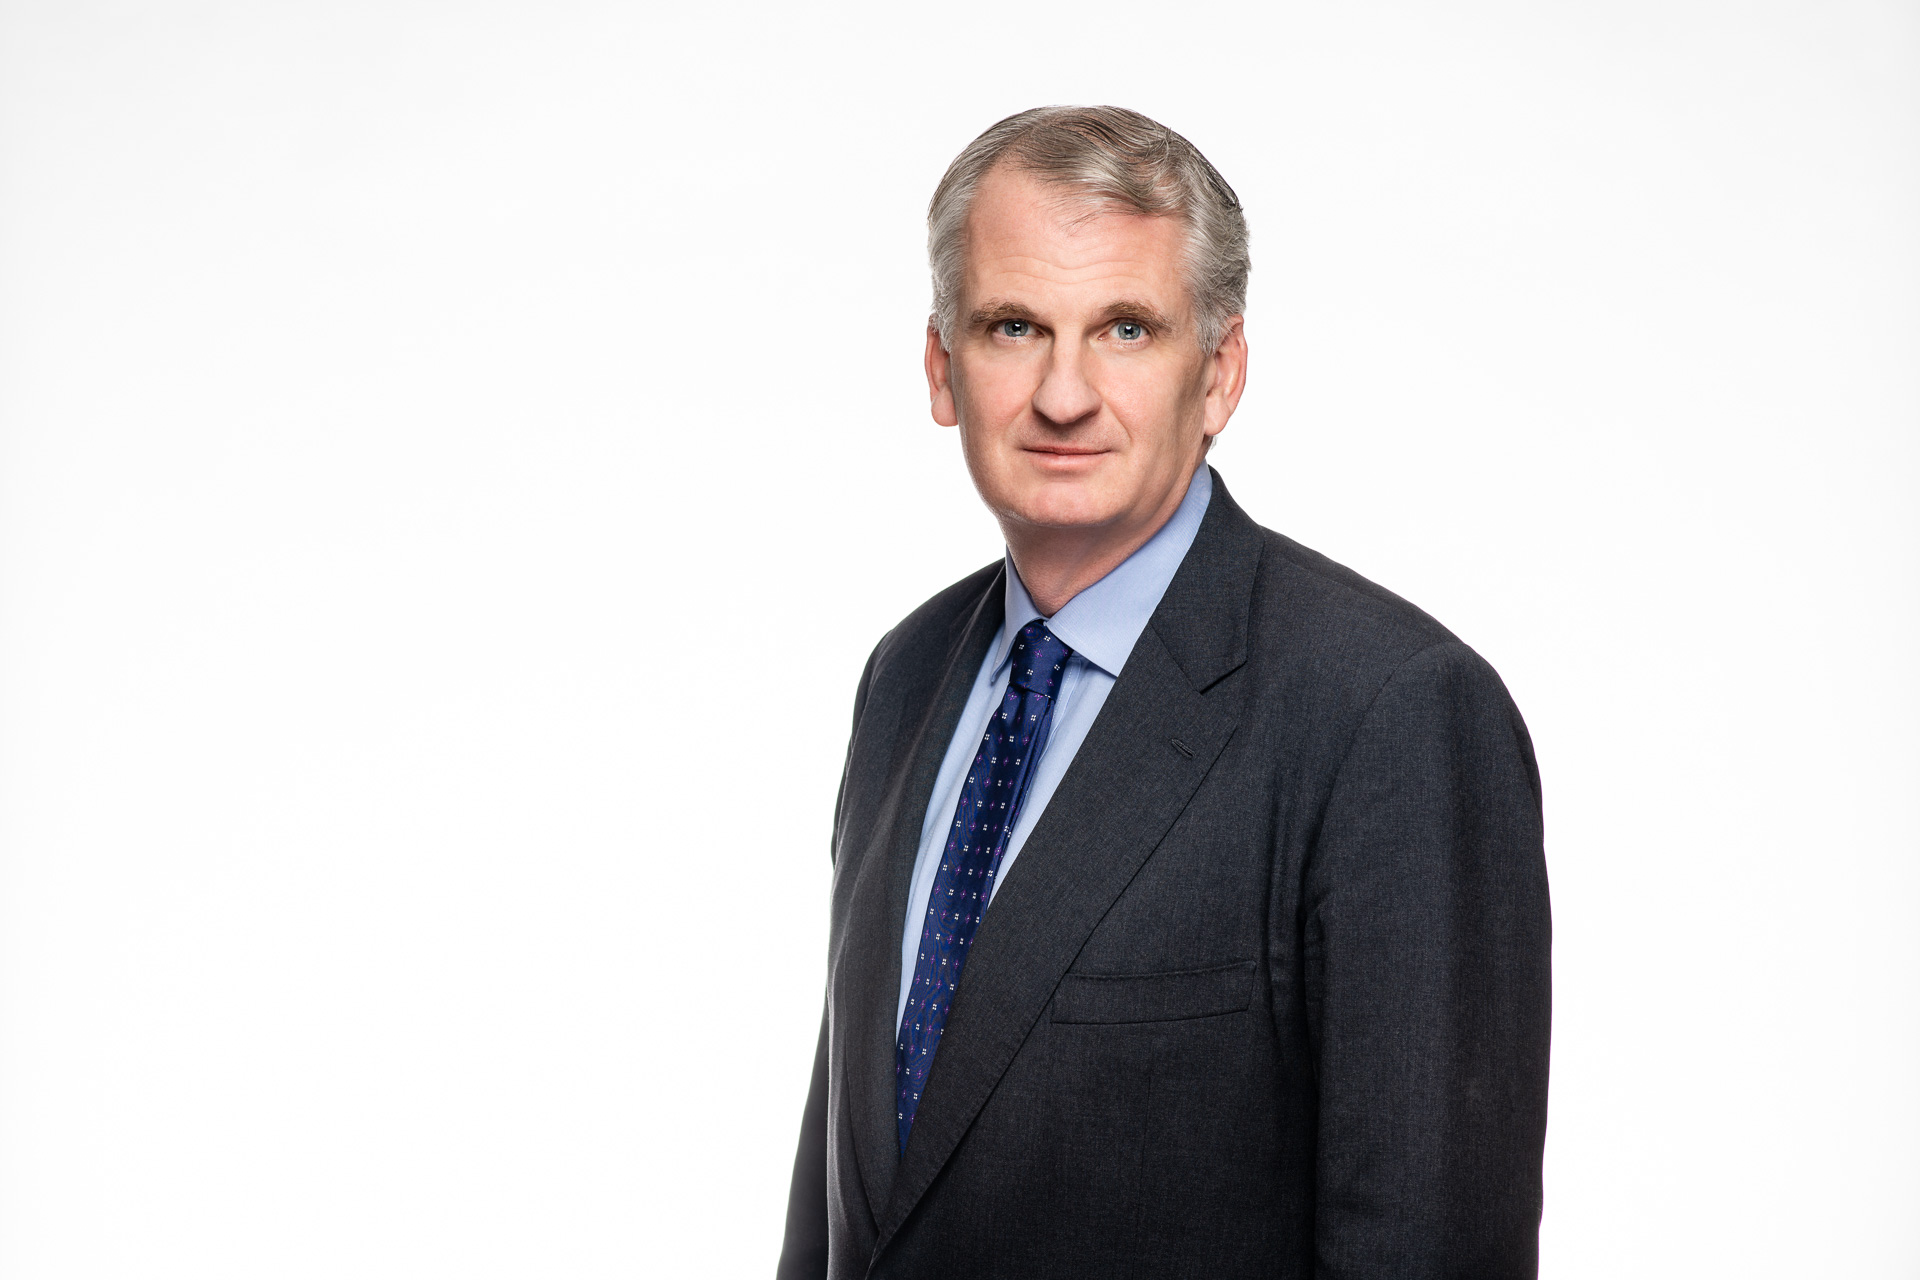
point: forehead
(1029, 237)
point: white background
(455, 458)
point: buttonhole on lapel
(1181, 747)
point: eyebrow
(995, 310)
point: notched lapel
(1166, 721)
(1122, 793)
(870, 988)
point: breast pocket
(1154, 997)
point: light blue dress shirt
(1100, 625)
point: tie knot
(1039, 660)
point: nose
(1064, 395)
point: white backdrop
(455, 458)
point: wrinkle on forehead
(1016, 202)
(1051, 271)
(1027, 241)
(1082, 255)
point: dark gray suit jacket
(1267, 992)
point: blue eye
(1015, 328)
(1129, 330)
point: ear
(940, 381)
(1227, 376)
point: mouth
(1064, 452)
(1063, 459)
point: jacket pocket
(1154, 997)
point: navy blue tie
(989, 804)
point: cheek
(1150, 403)
(992, 394)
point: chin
(1063, 504)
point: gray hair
(1107, 156)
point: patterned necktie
(989, 804)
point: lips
(1065, 460)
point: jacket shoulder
(1330, 599)
(1329, 644)
(1340, 633)
(928, 634)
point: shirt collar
(1102, 623)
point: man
(1189, 910)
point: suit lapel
(1157, 736)
(879, 906)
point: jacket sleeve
(1428, 995)
(804, 1255)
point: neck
(1057, 564)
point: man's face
(1082, 396)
